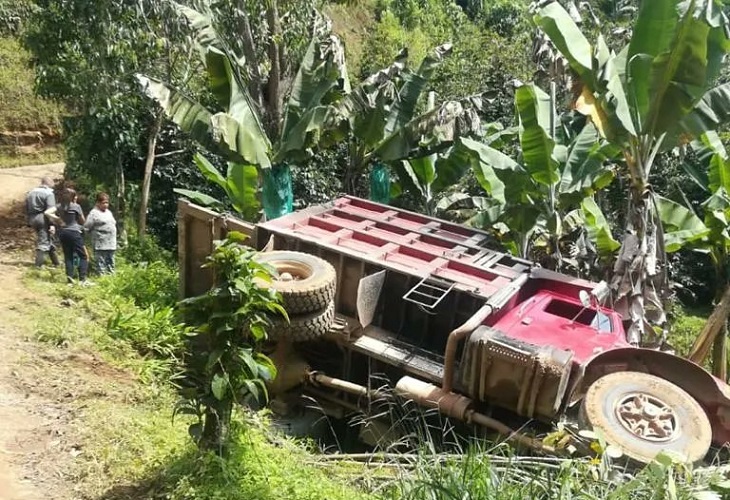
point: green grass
(133, 448)
(503, 476)
(137, 451)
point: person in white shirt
(103, 228)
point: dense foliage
(495, 47)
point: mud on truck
(458, 328)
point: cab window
(579, 314)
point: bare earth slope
(26, 419)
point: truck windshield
(579, 314)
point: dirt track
(26, 420)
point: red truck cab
(561, 321)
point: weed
(145, 284)
(153, 331)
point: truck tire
(644, 415)
(303, 327)
(309, 283)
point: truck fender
(711, 393)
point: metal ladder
(429, 292)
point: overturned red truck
(460, 328)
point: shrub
(154, 331)
(145, 249)
(223, 360)
(145, 284)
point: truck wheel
(303, 327)
(306, 282)
(644, 415)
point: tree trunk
(148, 166)
(274, 85)
(715, 326)
(217, 426)
(121, 205)
(719, 354)
(252, 62)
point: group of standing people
(66, 220)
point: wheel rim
(291, 271)
(647, 417)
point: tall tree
(86, 56)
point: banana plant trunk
(719, 354)
(713, 337)
(719, 348)
(640, 274)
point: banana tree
(237, 132)
(716, 183)
(542, 199)
(381, 116)
(652, 96)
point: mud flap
(368, 294)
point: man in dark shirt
(38, 201)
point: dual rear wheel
(307, 287)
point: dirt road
(17, 181)
(24, 417)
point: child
(103, 229)
(70, 218)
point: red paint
(406, 242)
(532, 321)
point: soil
(40, 385)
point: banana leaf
(242, 188)
(599, 231)
(202, 25)
(675, 52)
(708, 114)
(534, 110)
(584, 170)
(232, 94)
(568, 39)
(200, 198)
(365, 107)
(209, 171)
(681, 225)
(320, 80)
(432, 131)
(404, 107)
